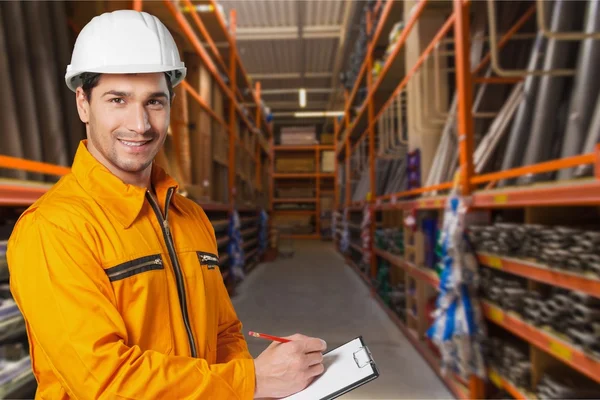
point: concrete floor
(316, 294)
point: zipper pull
(158, 261)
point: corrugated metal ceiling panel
(280, 56)
(320, 54)
(321, 12)
(262, 13)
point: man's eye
(117, 100)
(155, 102)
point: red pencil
(268, 337)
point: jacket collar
(122, 200)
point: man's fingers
(314, 358)
(314, 344)
(316, 370)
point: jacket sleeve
(68, 304)
(231, 344)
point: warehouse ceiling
(293, 44)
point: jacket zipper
(158, 261)
(164, 224)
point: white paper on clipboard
(346, 368)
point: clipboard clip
(363, 357)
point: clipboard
(346, 368)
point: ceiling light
(302, 97)
(318, 114)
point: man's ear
(83, 105)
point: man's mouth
(134, 143)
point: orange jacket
(119, 304)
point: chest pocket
(141, 290)
(208, 260)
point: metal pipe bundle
(558, 55)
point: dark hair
(90, 80)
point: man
(115, 273)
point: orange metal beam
(232, 110)
(465, 96)
(564, 351)
(542, 273)
(257, 168)
(32, 166)
(547, 166)
(205, 34)
(202, 103)
(137, 5)
(14, 195)
(336, 189)
(512, 31)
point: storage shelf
(251, 254)
(293, 148)
(21, 193)
(297, 212)
(356, 247)
(453, 384)
(295, 200)
(222, 241)
(542, 273)
(545, 341)
(502, 383)
(422, 274)
(250, 243)
(302, 236)
(384, 26)
(572, 193)
(249, 231)
(281, 175)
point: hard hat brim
(177, 73)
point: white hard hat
(124, 42)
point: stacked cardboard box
(299, 135)
(327, 139)
(294, 193)
(295, 164)
(327, 161)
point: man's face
(127, 119)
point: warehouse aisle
(314, 293)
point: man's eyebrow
(159, 94)
(117, 93)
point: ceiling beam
(349, 11)
(319, 105)
(295, 90)
(287, 32)
(292, 75)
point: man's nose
(137, 119)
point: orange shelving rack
(350, 132)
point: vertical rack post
(232, 109)
(257, 169)
(347, 145)
(336, 188)
(318, 190)
(465, 123)
(137, 5)
(371, 115)
(465, 93)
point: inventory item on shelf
(511, 360)
(563, 248)
(300, 135)
(295, 164)
(328, 161)
(365, 235)
(558, 384)
(458, 328)
(3, 263)
(235, 249)
(327, 139)
(263, 231)
(390, 240)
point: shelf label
(422, 203)
(438, 203)
(495, 378)
(394, 199)
(368, 196)
(494, 262)
(496, 315)
(500, 199)
(561, 350)
(378, 202)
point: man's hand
(287, 368)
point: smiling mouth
(131, 143)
